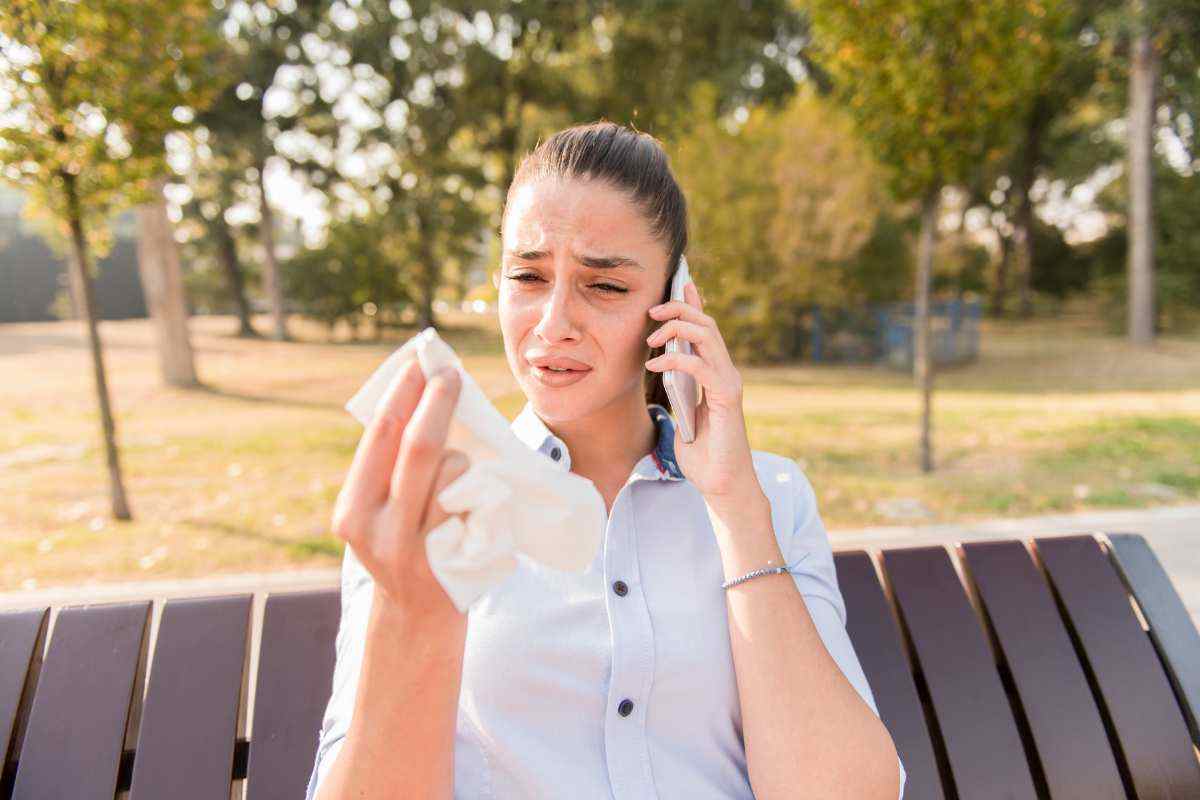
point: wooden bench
(1062, 667)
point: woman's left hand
(718, 460)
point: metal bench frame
(1059, 667)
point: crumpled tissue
(515, 499)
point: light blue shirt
(616, 683)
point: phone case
(682, 390)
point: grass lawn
(241, 475)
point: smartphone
(682, 389)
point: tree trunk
(79, 266)
(227, 254)
(1000, 287)
(428, 272)
(1142, 78)
(75, 292)
(272, 279)
(922, 357)
(162, 282)
(1022, 247)
(1023, 222)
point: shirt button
(556, 454)
(626, 707)
(620, 588)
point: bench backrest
(1062, 667)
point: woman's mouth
(558, 378)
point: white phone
(682, 389)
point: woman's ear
(496, 278)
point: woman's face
(579, 271)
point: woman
(642, 677)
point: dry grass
(241, 474)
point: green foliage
(934, 86)
(787, 210)
(362, 272)
(89, 90)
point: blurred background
(952, 247)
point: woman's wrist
(405, 622)
(745, 536)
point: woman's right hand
(387, 504)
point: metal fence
(884, 333)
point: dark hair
(633, 162)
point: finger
(677, 309)
(693, 365)
(421, 447)
(454, 463)
(679, 329)
(691, 293)
(366, 484)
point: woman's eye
(527, 277)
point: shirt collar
(659, 464)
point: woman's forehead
(585, 214)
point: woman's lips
(557, 379)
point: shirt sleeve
(357, 593)
(816, 578)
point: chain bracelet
(759, 572)
(753, 574)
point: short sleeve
(811, 557)
(356, 594)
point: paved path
(1173, 533)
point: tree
(1143, 76)
(1163, 67)
(771, 242)
(934, 88)
(450, 98)
(88, 91)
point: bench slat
(1146, 719)
(21, 638)
(72, 749)
(189, 724)
(295, 677)
(878, 644)
(1171, 626)
(983, 747)
(1075, 755)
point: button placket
(626, 748)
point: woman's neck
(606, 445)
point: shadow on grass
(303, 547)
(272, 400)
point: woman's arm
(402, 732)
(807, 730)
(407, 653)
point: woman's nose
(557, 321)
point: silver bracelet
(754, 573)
(761, 571)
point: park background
(212, 231)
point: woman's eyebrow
(596, 262)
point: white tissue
(515, 498)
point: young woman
(649, 675)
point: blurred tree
(261, 37)
(1067, 70)
(88, 91)
(934, 88)
(353, 277)
(1163, 63)
(771, 242)
(439, 104)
